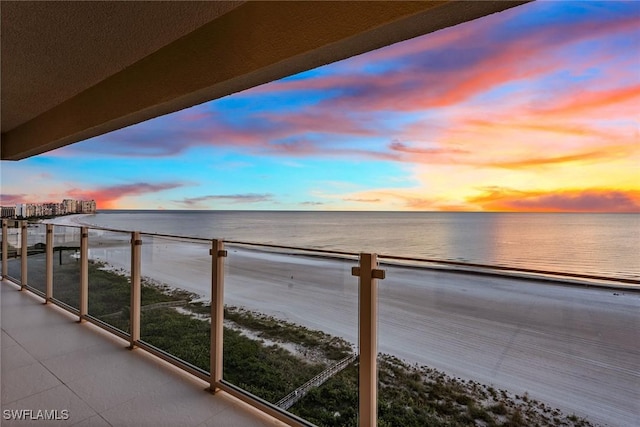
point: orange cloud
(527, 124)
(580, 102)
(516, 135)
(592, 156)
(109, 197)
(587, 200)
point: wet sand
(575, 348)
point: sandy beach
(572, 347)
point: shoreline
(69, 220)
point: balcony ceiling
(74, 70)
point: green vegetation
(421, 396)
(109, 292)
(270, 358)
(270, 372)
(332, 348)
(178, 334)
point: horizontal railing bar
(263, 405)
(198, 239)
(175, 361)
(548, 279)
(13, 279)
(507, 268)
(297, 248)
(36, 291)
(94, 227)
(65, 306)
(202, 239)
(387, 257)
(106, 327)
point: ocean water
(599, 244)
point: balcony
(352, 339)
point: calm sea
(600, 244)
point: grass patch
(268, 327)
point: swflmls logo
(40, 414)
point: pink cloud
(429, 154)
(14, 199)
(226, 198)
(108, 197)
(360, 200)
(590, 100)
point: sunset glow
(533, 109)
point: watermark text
(35, 414)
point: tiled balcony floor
(50, 362)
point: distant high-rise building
(68, 206)
(8, 211)
(21, 210)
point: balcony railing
(75, 267)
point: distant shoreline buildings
(36, 210)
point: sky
(533, 109)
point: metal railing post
(5, 249)
(23, 254)
(218, 253)
(49, 264)
(368, 274)
(83, 304)
(134, 308)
